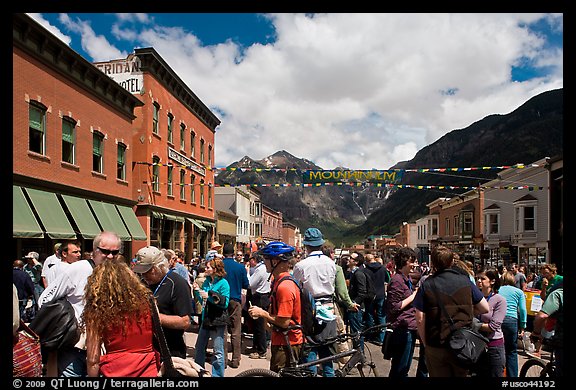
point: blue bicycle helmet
(277, 249)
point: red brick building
(72, 143)
(173, 154)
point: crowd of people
(229, 292)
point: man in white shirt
(259, 280)
(317, 273)
(49, 262)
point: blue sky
(361, 91)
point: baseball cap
(146, 258)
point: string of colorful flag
(359, 184)
(417, 170)
(390, 178)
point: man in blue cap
(317, 273)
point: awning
(51, 214)
(173, 217)
(131, 221)
(196, 223)
(208, 224)
(87, 224)
(109, 219)
(24, 223)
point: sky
(360, 91)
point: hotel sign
(126, 72)
(185, 161)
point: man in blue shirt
(238, 280)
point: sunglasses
(107, 252)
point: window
(37, 127)
(182, 184)
(447, 226)
(434, 226)
(68, 139)
(202, 151)
(156, 108)
(525, 219)
(492, 223)
(155, 174)
(121, 162)
(192, 144)
(97, 152)
(192, 189)
(210, 156)
(170, 180)
(456, 226)
(170, 136)
(467, 223)
(182, 137)
(201, 192)
(209, 197)
(155, 229)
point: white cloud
(357, 90)
(53, 29)
(97, 46)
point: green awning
(197, 224)
(24, 223)
(109, 219)
(208, 224)
(173, 217)
(156, 214)
(131, 221)
(82, 216)
(51, 214)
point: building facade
(173, 154)
(271, 225)
(72, 147)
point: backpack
(370, 288)
(310, 325)
(55, 323)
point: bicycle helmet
(278, 250)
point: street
(373, 351)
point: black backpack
(56, 325)
(370, 288)
(309, 323)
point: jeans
(491, 363)
(403, 344)
(72, 362)
(218, 361)
(510, 331)
(260, 340)
(356, 322)
(375, 315)
(327, 367)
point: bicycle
(537, 367)
(300, 370)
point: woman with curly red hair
(117, 317)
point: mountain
(527, 134)
(349, 214)
(333, 209)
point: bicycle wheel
(369, 370)
(533, 368)
(258, 372)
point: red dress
(130, 355)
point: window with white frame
(121, 162)
(525, 216)
(169, 183)
(170, 133)
(98, 152)
(68, 139)
(155, 113)
(192, 189)
(182, 137)
(156, 174)
(182, 184)
(37, 127)
(492, 222)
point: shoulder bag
(26, 358)
(171, 366)
(56, 325)
(466, 343)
